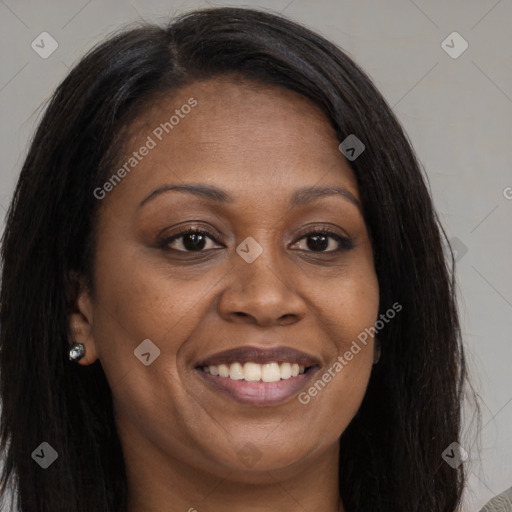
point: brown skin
(181, 439)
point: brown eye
(327, 241)
(191, 240)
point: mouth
(258, 376)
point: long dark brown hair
(390, 456)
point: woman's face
(252, 283)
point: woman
(224, 286)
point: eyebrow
(301, 196)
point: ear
(81, 319)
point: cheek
(138, 312)
(349, 302)
(133, 307)
(347, 314)
(358, 309)
(141, 296)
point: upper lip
(254, 354)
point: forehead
(242, 136)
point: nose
(263, 292)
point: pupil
(194, 241)
(320, 242)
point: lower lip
(259, 393)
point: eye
(190, 240)
(326, 241)
(317, 240)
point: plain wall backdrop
(454, 102)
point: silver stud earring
(76, 352)
(377, 352)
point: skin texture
(182, 440)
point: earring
(76, 352)
(378, 351)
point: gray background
(457, 112)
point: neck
(158, 483)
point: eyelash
(345, 243)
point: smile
(258, 376)
(254, 372)
(257, 384)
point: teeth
(254, 372)
(270, 372)
(286, 371)
(236, 371)
(223, 370)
